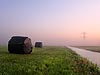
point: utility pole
(84, 35)
(84, 38)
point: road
(94, 57)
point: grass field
(91, 48)
(46, 61)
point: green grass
(46, 61)
(90, 48)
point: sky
(54, 22)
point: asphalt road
(94, 57)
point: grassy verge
(46, 61)
(90, 48)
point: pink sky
(55, 22)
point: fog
(55, 22)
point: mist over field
(55, 22)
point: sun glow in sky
(55, 22)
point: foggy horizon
(55, 22)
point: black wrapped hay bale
(38, 44)
(20, 45)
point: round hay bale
(38, 44)
(20, 45)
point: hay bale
(38, 44)
(20, 45)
